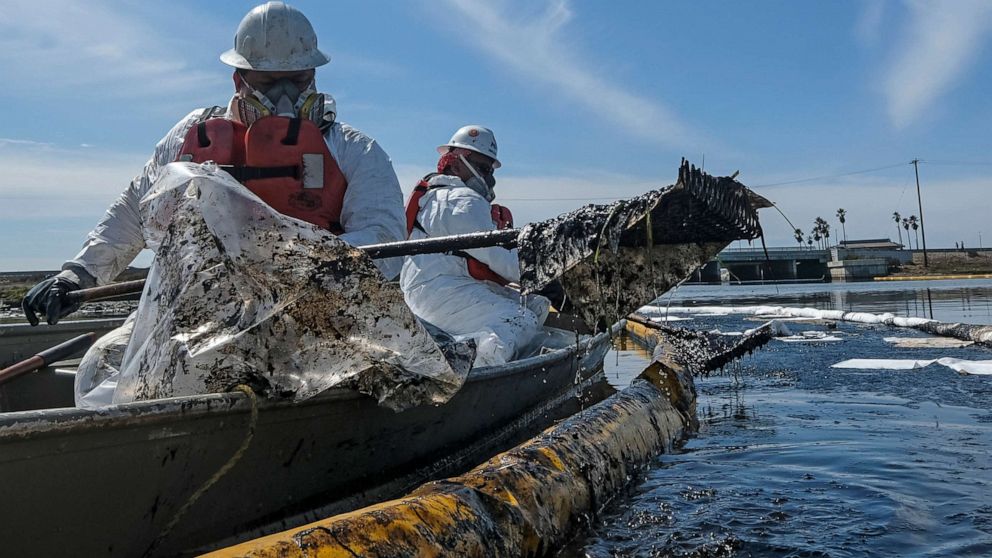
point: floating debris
(967, 332)
(927, 342)
(980, 334)
(808, 336)
(981, 367)
(666, 319)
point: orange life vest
(476, 269)
(284, 161)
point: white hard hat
(475, 138)
(275, 37)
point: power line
(55, 197)
(956, 163)
(830, 176)
(561, 199)
(797, 181)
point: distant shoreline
(938, 277)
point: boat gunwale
(20, 425)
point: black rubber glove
(48, 298)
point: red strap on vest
(413, 205)
(502, 217)
(483, 272)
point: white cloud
(23, 142)
(50, 197)
(535, 48)
(44, 182)
(940, 45)
(96, 49)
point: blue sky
(588, 99)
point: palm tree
(819, 227)
(817, 237)
(905, 225)
(896, 217)
(798, 234)
(915, 223)
(842, 217)
(809, 241)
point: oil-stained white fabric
(239, 293)
(372, 211)
(440, 290)
(98, 370)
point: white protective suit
(440, 290)
(372, 212)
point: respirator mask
(283, 98)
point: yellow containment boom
(525, 502)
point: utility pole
(919, 200)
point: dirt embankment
(956, 262)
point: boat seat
(549, 339)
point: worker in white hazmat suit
(304, 163)
(467, 293)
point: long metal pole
(507, 238)
(919, 200)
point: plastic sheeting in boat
(241, 294)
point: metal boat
(110, 482)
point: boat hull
(107, 483)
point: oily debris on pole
(698, 352)
(241, 294)
(611, 259)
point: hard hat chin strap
(471, 167)
(482, 186)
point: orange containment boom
(525, 502)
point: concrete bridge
(751, 264)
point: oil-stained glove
(48, 298)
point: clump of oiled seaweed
(611, 259)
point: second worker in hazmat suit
(467, 293)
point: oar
(106, 291)
(506, 238)
(48, 356)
